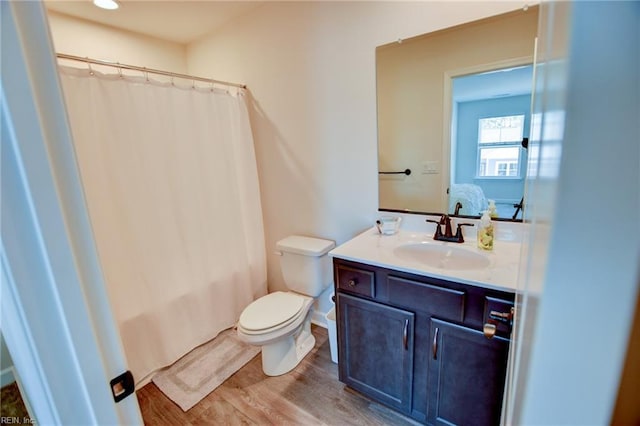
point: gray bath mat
(199, 372)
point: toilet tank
(305, 265)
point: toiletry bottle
(485, 232)
(493, 212)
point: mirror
(437, 95)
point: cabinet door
(376, 350)
(466, 376)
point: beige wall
(310, 67)
(82, 38)
(411, 100)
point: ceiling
(177, 21)
(186, 21)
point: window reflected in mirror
(499, 140)
(490, 115)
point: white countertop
(374, 249)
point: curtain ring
(90, 69)
(212, 85)
(193, 84)
(120, 71)
(146, 74)
(172, 82)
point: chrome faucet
(448, 233)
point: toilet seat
(271, 312)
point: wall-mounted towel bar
(404, 172)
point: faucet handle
(438, 232)
(459, 236)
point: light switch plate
(430, 167)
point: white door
(544, 154)
(579, 269)
(55, 313)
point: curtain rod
(146, 70)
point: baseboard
(7, 377)
(145, 380)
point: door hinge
(122, 386)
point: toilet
(280, 322)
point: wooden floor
(309, 395)
(12, 405)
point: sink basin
(442, 256)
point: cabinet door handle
(353, 282)
(489, 330)
(405, 334)
(434, 347)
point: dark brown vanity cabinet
(466, 376)
(416, 344)
(378, 361)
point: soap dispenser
(485, 232)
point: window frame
(509, 144)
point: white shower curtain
(171, 184)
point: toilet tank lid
(307, 246)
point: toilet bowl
(280, 322)
(285, 336)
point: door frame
(447, 112)
(56, 316)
